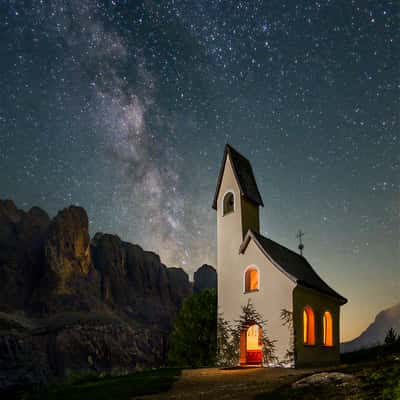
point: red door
(254, 356)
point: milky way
(124, 108)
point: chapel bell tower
(237, 200)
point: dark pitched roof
(244, 176)
(293, 264)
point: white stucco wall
(275, 288)
(229, 234)
(274, 294)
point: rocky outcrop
(22, 238)
(178, 285)
(71, 304)
(205, 278)
(67, 246)
(135, 281)
(74, 343)
(69, 281)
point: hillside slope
(376, 331)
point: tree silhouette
(391, 337)
(193, 340)
(287, 320)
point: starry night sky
(124, 108)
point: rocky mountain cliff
(205, 277)
(68, 303)
(376, 331)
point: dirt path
(235, 384)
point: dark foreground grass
(377, 377)
(106, 388)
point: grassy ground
(377, 376)
(106, 388)
(376, 380)
(376, 372)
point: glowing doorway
(251, 346)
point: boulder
(324, 378)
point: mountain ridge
(376, 331)
(71, 303)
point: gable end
(246, 242)
(293, 265)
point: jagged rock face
(179, 287)
(109, 258)
(136, 282)
(69, 281)
(75, 343)
(47, 267)
(21, 253)
(49, 270)
(205, 278)
(9, 270)
(67, 246)
(31, 231)
(9, 211)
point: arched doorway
(251, 345)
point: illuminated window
(228, 203)
(308, 326)
(328, 330)
(251, 279)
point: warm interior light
(254, 338)
(328, 329)
(308, 325)
(253, 346)
(251, 279)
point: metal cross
(299, 235)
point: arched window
(328, 329)
(251, 279)
(308, 326)
(228, 203)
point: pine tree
(391, 337)
(229, 337)
(287, 320)
(193, 340)
(250, 316)
(227, 349)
